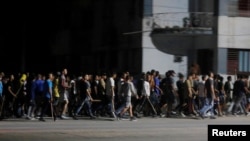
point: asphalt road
(105, 129)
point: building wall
(152, 58)
(234, 32)
(233, 35)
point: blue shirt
(48, 85)
(157, 83)
(1, 88)
(39, 85)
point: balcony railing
(183, 20)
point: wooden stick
(1, 110)
(95, 100)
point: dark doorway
(205, 60)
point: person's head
(245, 77)
(148, 77)
(143, 75)
(153, 72)
(190, 76)
(114, 74)
(210, 74)
(180, 75)
(11, 77)
(50, 76)
(104, 75)
(239, 76)
(204, 77)
(157, 73)
(229, 78)
(65, 71)
(216, 76)
(221, 79)
(170, 73)
(85, 76)
(58, 74)
(97, 76)
(127, 78)
(124, 75)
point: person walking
(48, 96)
(210, 97)
(110, 92)
(128, 90)
(85, 96)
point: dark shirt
(14, 87)
(83, 86)
(180, 87)
(209, 82)
(238, 88)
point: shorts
(66, 95)
(128, 101)
(55, 101)
(222, 99)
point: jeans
(209, 105)
(88, 104)
(239, 103)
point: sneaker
(212, 117)
(28, 118)
(64, 117)
(168, 115)
(133, 119)
(42, 119)
(182, 114)
(220, 115)
(173, 112)
(235, 114)
(162, 115)
(138, 116)
(32, 118)
(75, 118)
(122, 117)
(201, 115)
(118, 117)
(92, 117)
(114, 115)
(154, 116)
(54, 117)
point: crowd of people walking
(122, 95)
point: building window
(244, 8)
(232, 61)
(244, 61)
(238, 61)
(148, 8)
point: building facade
(215, 34)
(127, 35)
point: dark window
(232, 61)
(244, 8)
(238, 61)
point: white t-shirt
(146, 89)
(109, 86)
